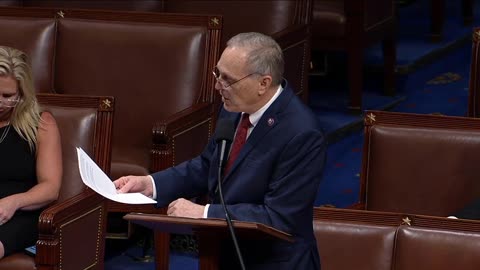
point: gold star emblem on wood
(215, 21)
(406, 221)
(370, 119)
(106, 104)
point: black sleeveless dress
(17, 174)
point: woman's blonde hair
(26, 115)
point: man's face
(236, 84)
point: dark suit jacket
(273, 181)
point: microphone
(223, 135)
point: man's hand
(129, 184)
(185, 208)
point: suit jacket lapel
(268, 121)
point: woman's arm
(49, 168)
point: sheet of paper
(97, 180)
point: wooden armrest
(181, 121)
(181, 137)
(67, 210)
(74, 226)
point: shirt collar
(255, 117)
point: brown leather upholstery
(279, 17)
(352, 26)
(286, 20)
(75, 223)
(356, 239)
(137, 5)
(364, 246)
(78, 132)
(422, 164)
(429, 248)
(36, 37)
(8, 3)
(474, 87)
(136, 66)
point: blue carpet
(414, 27)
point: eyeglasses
(217, 75)
(9, 102)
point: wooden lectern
(210, 232)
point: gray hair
(264, 54)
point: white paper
(97, 180)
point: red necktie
(239, 141)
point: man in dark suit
(272, 179)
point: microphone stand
(227, 215)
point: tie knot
(245, 122)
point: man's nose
(218, 86)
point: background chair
(364, 240)
(287, 21)
(75, 223)
(352, 26)
(419, 164)
(133, 5)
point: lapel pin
(270, 121)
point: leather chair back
(421, 164)
(36, 37)
(429, 248)
(360, 239)
(268, 17)
(136, 5)
(151, 78)
(363, 246)
(77, 129)
(11, 3)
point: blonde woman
(30, 154)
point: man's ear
(265, 83)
